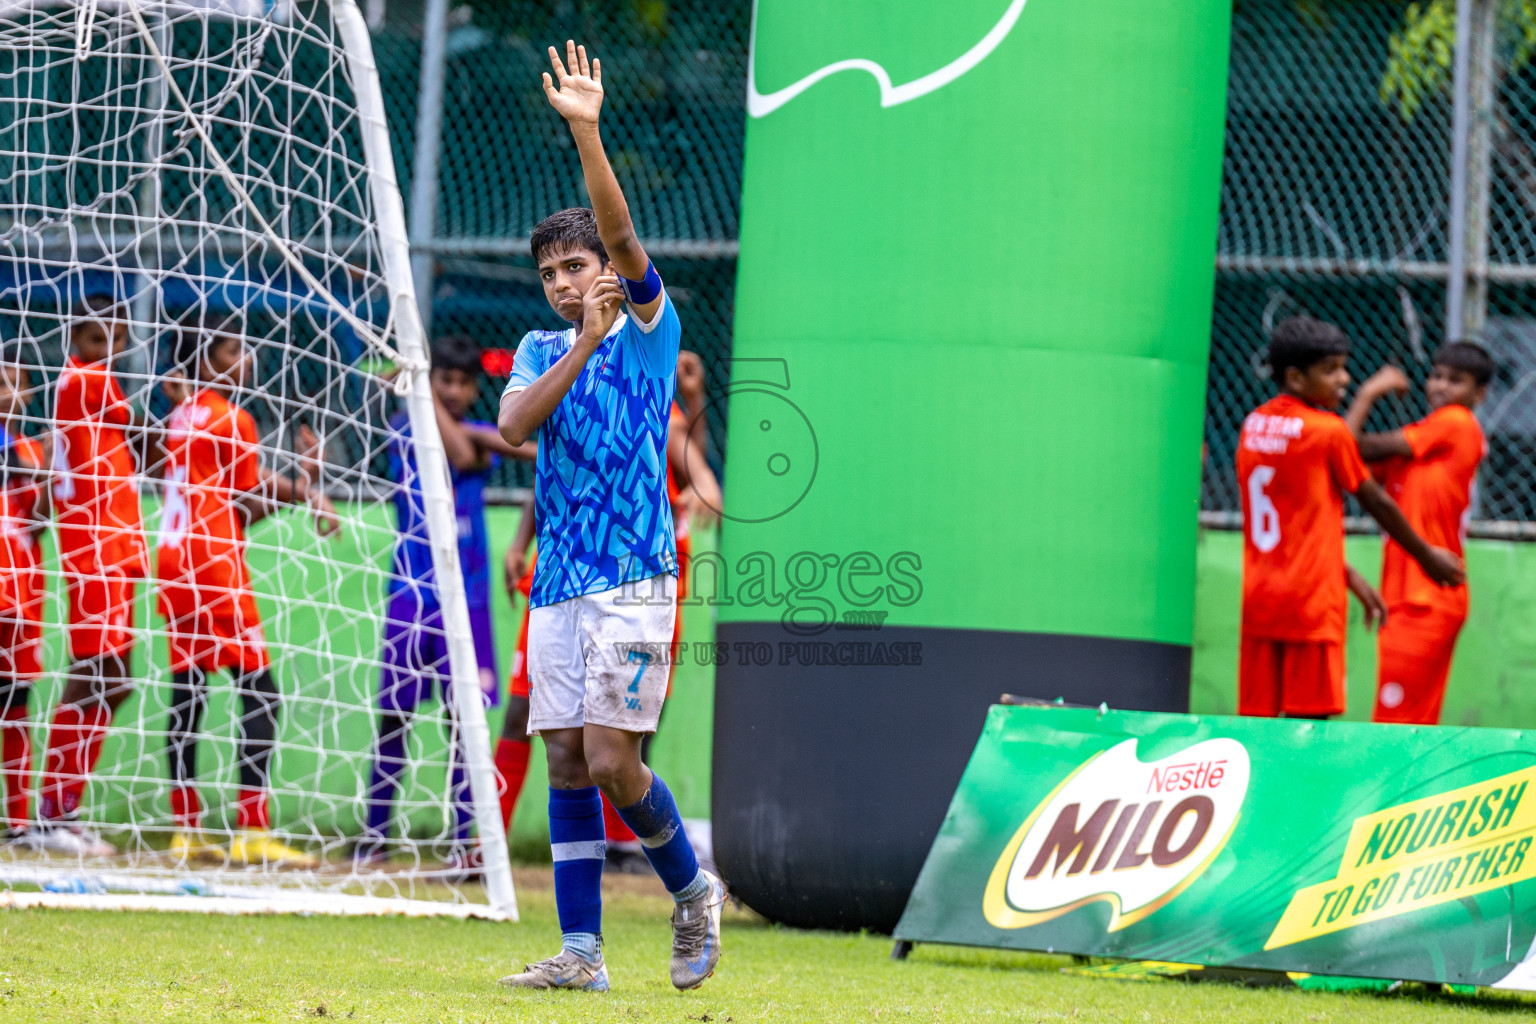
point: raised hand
(580, 94)
(1387, 380)
(600, 308)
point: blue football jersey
(600, 486)
(413, 550)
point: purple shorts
(415, 653)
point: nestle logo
(1179, 778)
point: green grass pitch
(109, 967)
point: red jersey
(211, 461)
(23, 585)
(1434, 488)
(19, 494)
(1294, 464)
(95, 492)
(677, 421)
(680, 525)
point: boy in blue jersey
(598, 395)
(415, 651)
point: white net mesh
(196, 173)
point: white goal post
(168, 159)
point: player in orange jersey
(23, 517)
(101, 557)
(1428, 467)
(1296, 460)
(214, 486)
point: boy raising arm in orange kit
(1296, 460)
(1428, 467)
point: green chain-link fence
(674, 78)
(1335, 202)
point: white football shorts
(602, 659)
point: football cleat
(258, 847)
(696, 936)
(564, 970)
(188, 845)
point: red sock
(512, 766)
(186, 808)
(96, 725)
(74, 744)
(614, 828)
(63, 739)
(16, 766)
(251, 811)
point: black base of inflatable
(834, 761)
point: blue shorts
(415, 653)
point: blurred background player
(513, 748)
(1296, 459)
(415, 651)
(694, 494)
(215, 486)
(23, 517)
(1428, 467)
(598, 395)
(101, 555)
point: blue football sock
(576, 840)
(463, 806)
(388, 763)
(658, 826)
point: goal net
(206, 188)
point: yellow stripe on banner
(1420, 854)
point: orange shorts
(100, 612)
(517, 686)
(212, 629)
(22, 590)
(1295, 678)
(1413, 658)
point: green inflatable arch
(965, 419)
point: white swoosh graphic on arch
(759, 105)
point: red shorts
(212, 629)
(517, 686)
(1294, 678)
(1413, 658)
(22, 590)
(100, 612)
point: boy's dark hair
(197, 331)
(566, 231)
(93, 304)
(1302, 342)
(1467, 356)
(456, 352)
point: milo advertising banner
(1319, 847)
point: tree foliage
(1421, 51)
